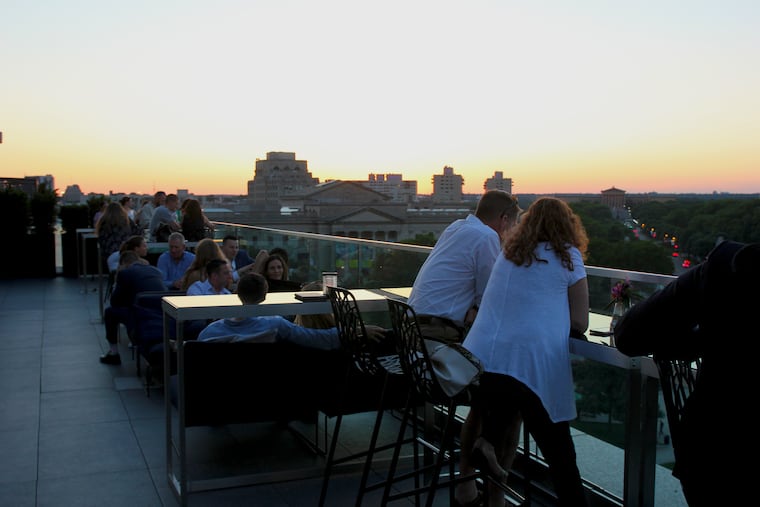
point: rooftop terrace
(77, 432)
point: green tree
(607, 235)
(14, 208)
(600, 389)
(698, 223)
(43, 207)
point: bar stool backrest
(351, 330)
(413, 354)
(677, 379)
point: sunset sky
(561, 96)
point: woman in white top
(536, 294)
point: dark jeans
(501, 397)
(113, 316)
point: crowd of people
(209, 267)
(509, 285)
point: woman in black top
(194, 223)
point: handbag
(162, 233)
(454, 366)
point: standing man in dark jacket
(135, 275)
(708, 312)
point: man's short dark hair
(495, 204)
(252, 288)
(214, 265)
(230, 237)
(128, 258)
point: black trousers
(112, 317)
(500, 397)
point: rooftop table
(183, 308)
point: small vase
(618, 309)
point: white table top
(276, 303)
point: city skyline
(651, 97)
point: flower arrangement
(622, 292)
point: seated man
(175, 262)
(238, 258)
(252, 290)
(218, 276)
(165, 216)
(135, 275)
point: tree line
(699, 224)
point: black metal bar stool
(416, 363)
(367, 358)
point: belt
(437, 321)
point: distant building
(614, 198)
(73, 195)
(498, 182)
(394, 186)
(348, 208)
(278, 176)
(447, 187)
(28, 184)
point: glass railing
(358, 262)
(621, 431)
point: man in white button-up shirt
(446, 296)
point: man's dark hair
(214, 265)
(495, 204)
(158, 195)
(128, 258)
(252, 288)
(230, 237)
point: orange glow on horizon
(136, 100)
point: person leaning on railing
(709, 312)
(446, 294)
(536, 294)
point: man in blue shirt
(175, 262)
(218, 277)
(252, 290)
